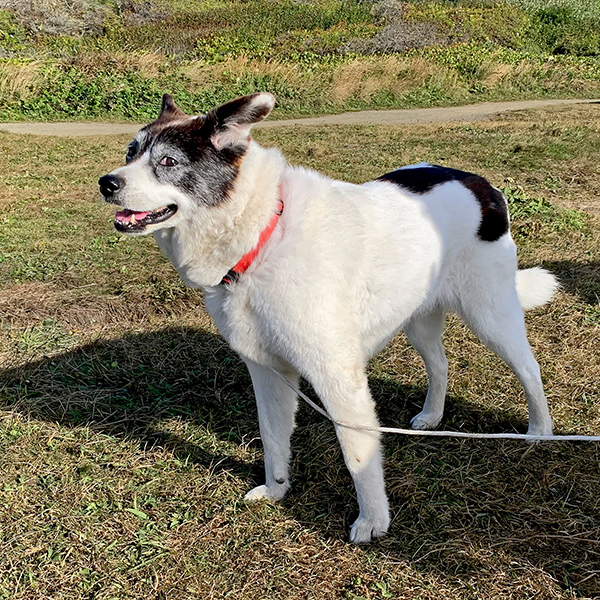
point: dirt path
(470, 112)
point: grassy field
(112, 59)
(128, 432)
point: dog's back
(396, 246)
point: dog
(308, 276)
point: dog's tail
(535, 287)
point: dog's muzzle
(127, 220)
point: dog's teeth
(132, 220)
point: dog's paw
(365, 530)
(264, 492)
(424, 421)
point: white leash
(433, 433)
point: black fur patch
(205, 173)
(494, 214)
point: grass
(85, 59)
(128, 432)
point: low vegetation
(128, 432)
(100, 59)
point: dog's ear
(169, 109)
(234, 120)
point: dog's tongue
(125, 215)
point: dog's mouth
(130, 221)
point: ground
(128, 429)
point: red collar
(246, 260)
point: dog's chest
(239, 322)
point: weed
(523, 207)
(12, 34)
(45, 338)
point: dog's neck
(204, 247)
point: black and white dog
(311, 276)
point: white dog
(311, 276)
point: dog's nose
(109, 184)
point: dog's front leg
(276, 404)
(348, 400)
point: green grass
(114, 60)
(523, 207)
(128, 432)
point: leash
(435, 433)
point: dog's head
(179, 162)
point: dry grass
(146, 64)
(363, 78)
(24, 78)
(128, 431)
(240, 67)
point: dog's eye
(168, 161)
(131, 151)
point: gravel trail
(470, 112)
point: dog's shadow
(580, 278)
(499, 495)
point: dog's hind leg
(501, 327)
(346, 397)
(425, 334)
(276, 404)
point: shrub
(558, 30)
(399, 37)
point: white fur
(221, 235)
(348, 267)
(535, 287)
